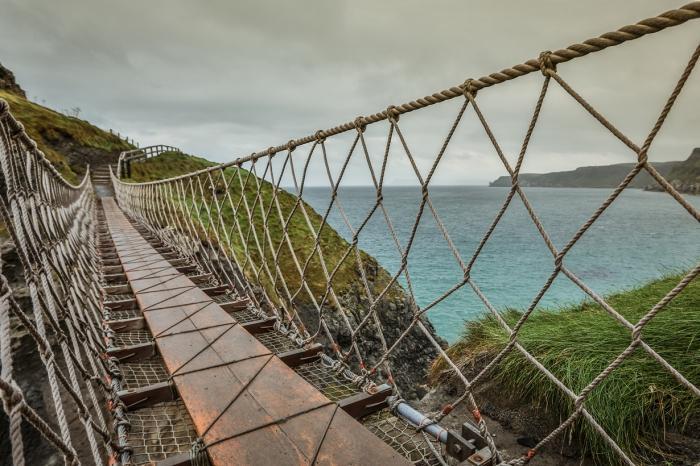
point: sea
(641, 236)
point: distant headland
(683, 175)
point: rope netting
(52, 225)
(237, 222)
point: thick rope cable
(624, 34)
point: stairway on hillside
(101, 179)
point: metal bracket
(468, 447)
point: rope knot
(320, 136)
(558, 260)
(425, 193)
(642, 156)
(392, 113)
(360, 124)
(637, 334)
(291, 145)
(18, 131)
(4, 108)
(547, 67)
(469, 88)
(15, 398)
(271, 151)
(477, 415)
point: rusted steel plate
(249, 407)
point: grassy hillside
(332, 244)
(639, 403)
(69, 143)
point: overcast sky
(222, 79)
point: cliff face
(685, 177)
(8, 82)
(607, 176)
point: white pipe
(418, 419)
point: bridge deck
(245, 403)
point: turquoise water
(643, 235)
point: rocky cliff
(685, 176)
(8, 82)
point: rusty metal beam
(297, 357)
(260, 326)
(363, 404)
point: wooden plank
(242, 399)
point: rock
(530, 442)
(8, 82)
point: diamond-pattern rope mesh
(233, 221)
(243, 216)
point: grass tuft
(638, 404)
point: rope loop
(380, 196)
(392, 113)
(15, 397)
(291, 145)
(547, 67)
(360, 124)
(17, 131)
(4, 109)
(642, 156)
(320, 136)
(558, 260)
(271, 151)
(470, 89)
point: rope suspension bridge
(173, 328)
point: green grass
(638, 403)
(333, 246)
(167, 165)
(58, 135)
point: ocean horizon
(642, 236)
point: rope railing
(52, 225)
(238, 223)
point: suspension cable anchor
(468, 446)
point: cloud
(223, 79)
